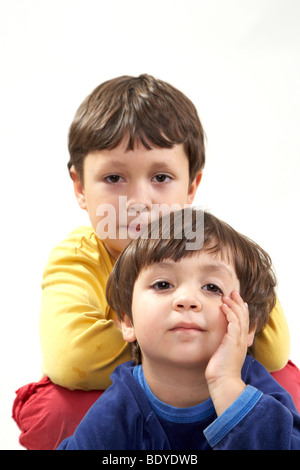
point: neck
(179, 387)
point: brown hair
(252, 264)
(141, 109)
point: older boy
(138, 140)
(184, 312)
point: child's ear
(127, 329)
(193, 187)
(78, 188)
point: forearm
(224, 392)
(80, 347)
(245, 425)
(272, 345)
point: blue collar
(171, 413)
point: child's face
(176, 310)
(141, 178)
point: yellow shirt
(81, 345)
(272, 345)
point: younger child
(189, 316)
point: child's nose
(186, 303)
(136, 208)
(138, 199)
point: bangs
(140, 118)
(174, 236)
(140, 109)
(180, 235)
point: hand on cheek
(223, 372)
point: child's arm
(247, 417)
(257, 421)
(81, 345)
(272, 345)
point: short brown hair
(252, 264)
(141, 109)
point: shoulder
(124, 394)
(122, 400)
(125, 384)
(81, 239)
(82, 244)
(255, 374)
(117, 419)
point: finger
(234, 324)
(235, 295)
(237, 304)
(235, 298)
(239, 309)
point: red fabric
(289, 378)
(47, 413)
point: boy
(138, 140)
(192, 386)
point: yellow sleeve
(272, 345)
(81, 345)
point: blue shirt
(183, 424)
(129, 417)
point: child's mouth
(135, 229)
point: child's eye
(213, 288)
(113, 179)
(162, 285)
(161, 178)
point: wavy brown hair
(252, 264)
(142, 109)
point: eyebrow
(114, 162)
(161, 165)
(210, 268)
(119, 162)
(217, 268)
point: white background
(239, 62)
